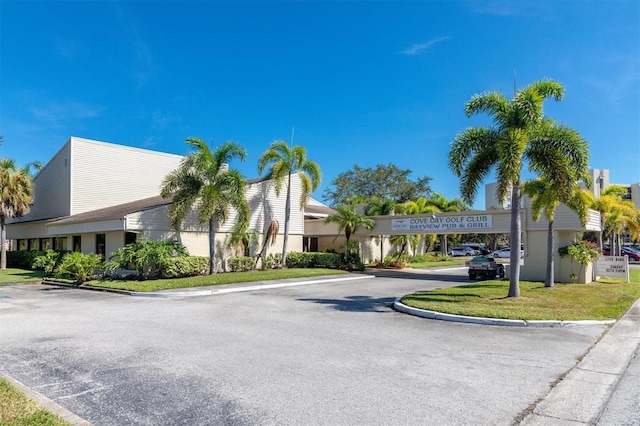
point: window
(33, 244)
(45, 243)
(310, 244)
(61, 243)
(77, 243)
(21, 245)
(130, 238)
(100, 245)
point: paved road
(327, 354)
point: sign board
(443, 223)
(613, 266)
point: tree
(383, 182)
(16, 195)
(519, 134)
(348, 220)
(380, 207)
(205, 183)
(283, 161)
(545, 197)
(608, 203)
(441, 204)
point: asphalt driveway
(325, 354)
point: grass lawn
(17, 409)
(217, 279)
(606, 299)
(13, 276)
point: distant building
(491, 199)
(600, 179)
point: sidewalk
(584, 394)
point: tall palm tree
(205, 183)
(380, 207)
(284, 161)
(623, 216)
(16, 196)
(519, 134)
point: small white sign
(443, 223)
(613, 266)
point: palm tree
(285, 161)
(545, 198)
(606, 203)
(204, 182)
(348, 220)
(419, 206)
(519, 134)
(441, 205)
(623, 216)
(16, 196)
(380, 207)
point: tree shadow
(413, 275)
(356, 303)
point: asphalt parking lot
(322, 354)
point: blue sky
(363, 82)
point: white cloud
(420, 47)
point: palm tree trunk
(3, 240)
(514, 258)
(381, 248)
(287, 215)
(212, 246)
(549, 278)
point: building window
(100, 245)
(77, 243)
(21, 245)
(45, 243)
(130, 238)
(60, 243)
(33, 244)
(310, 244)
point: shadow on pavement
(417, 275)
(356, 303)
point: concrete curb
(232, 288)
(210, 292)
(582, 395)
(47, 404)
(401, 307)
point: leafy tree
(519, 134)
(204, 182)
(383, 182)
(380, 207)
(283, 161)
(16, 195)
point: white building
(95, 197)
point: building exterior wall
(105, 174)
(52, 189)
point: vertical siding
(105, 174)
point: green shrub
(241, 263)
(22, 258)
(48, 260)
(78, 266)
(186, 266)
(150, 259)
(272, 260)
(300, 260)
(328, 260)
